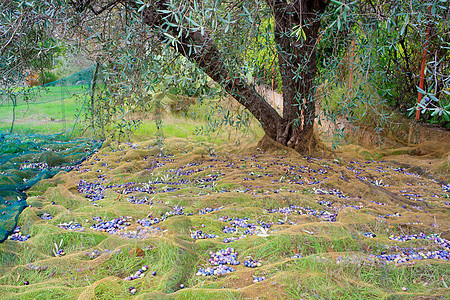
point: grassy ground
(303, 256)
(315, 247)
(52, 110)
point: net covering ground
(38, 126)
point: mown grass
(51, 110)
(49, 113)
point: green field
(51, 110)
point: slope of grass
(315, 247)
(335, 261)
(49, 110)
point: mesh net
(195, 190)
(37, 130)
(55, 107)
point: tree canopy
(235, 42)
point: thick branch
(13, 34)
(296, 60)
(201, 49)
(102, 9)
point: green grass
(180, 128)
(48, 113)
(199, 294)
(323, 279)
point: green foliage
(47, 77)
(184, 78)
(136, 67)
(28, 45)
(381, 45)
(262, 57)
(26, 39)
(370, 63)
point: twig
(12, 35)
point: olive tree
(216, 36)
(234, 43)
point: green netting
(37, 130)
(55, 107)
(25, 160)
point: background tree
(409, 36)
(27, 46)
(370, 56)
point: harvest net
(37, 126)
(130, 207)
(55, 107)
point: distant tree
(27, 47)
(27, 41)
(408, 38)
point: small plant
(166, 177)
(443, 282)
(378, 182)
(263, 232)
(285, 219)
(58, 251)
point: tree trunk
(297, 62)
(93, 85)
(14, 104)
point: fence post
(424, 62)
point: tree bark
(296, 58)
(201, 49)
(297, 61)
